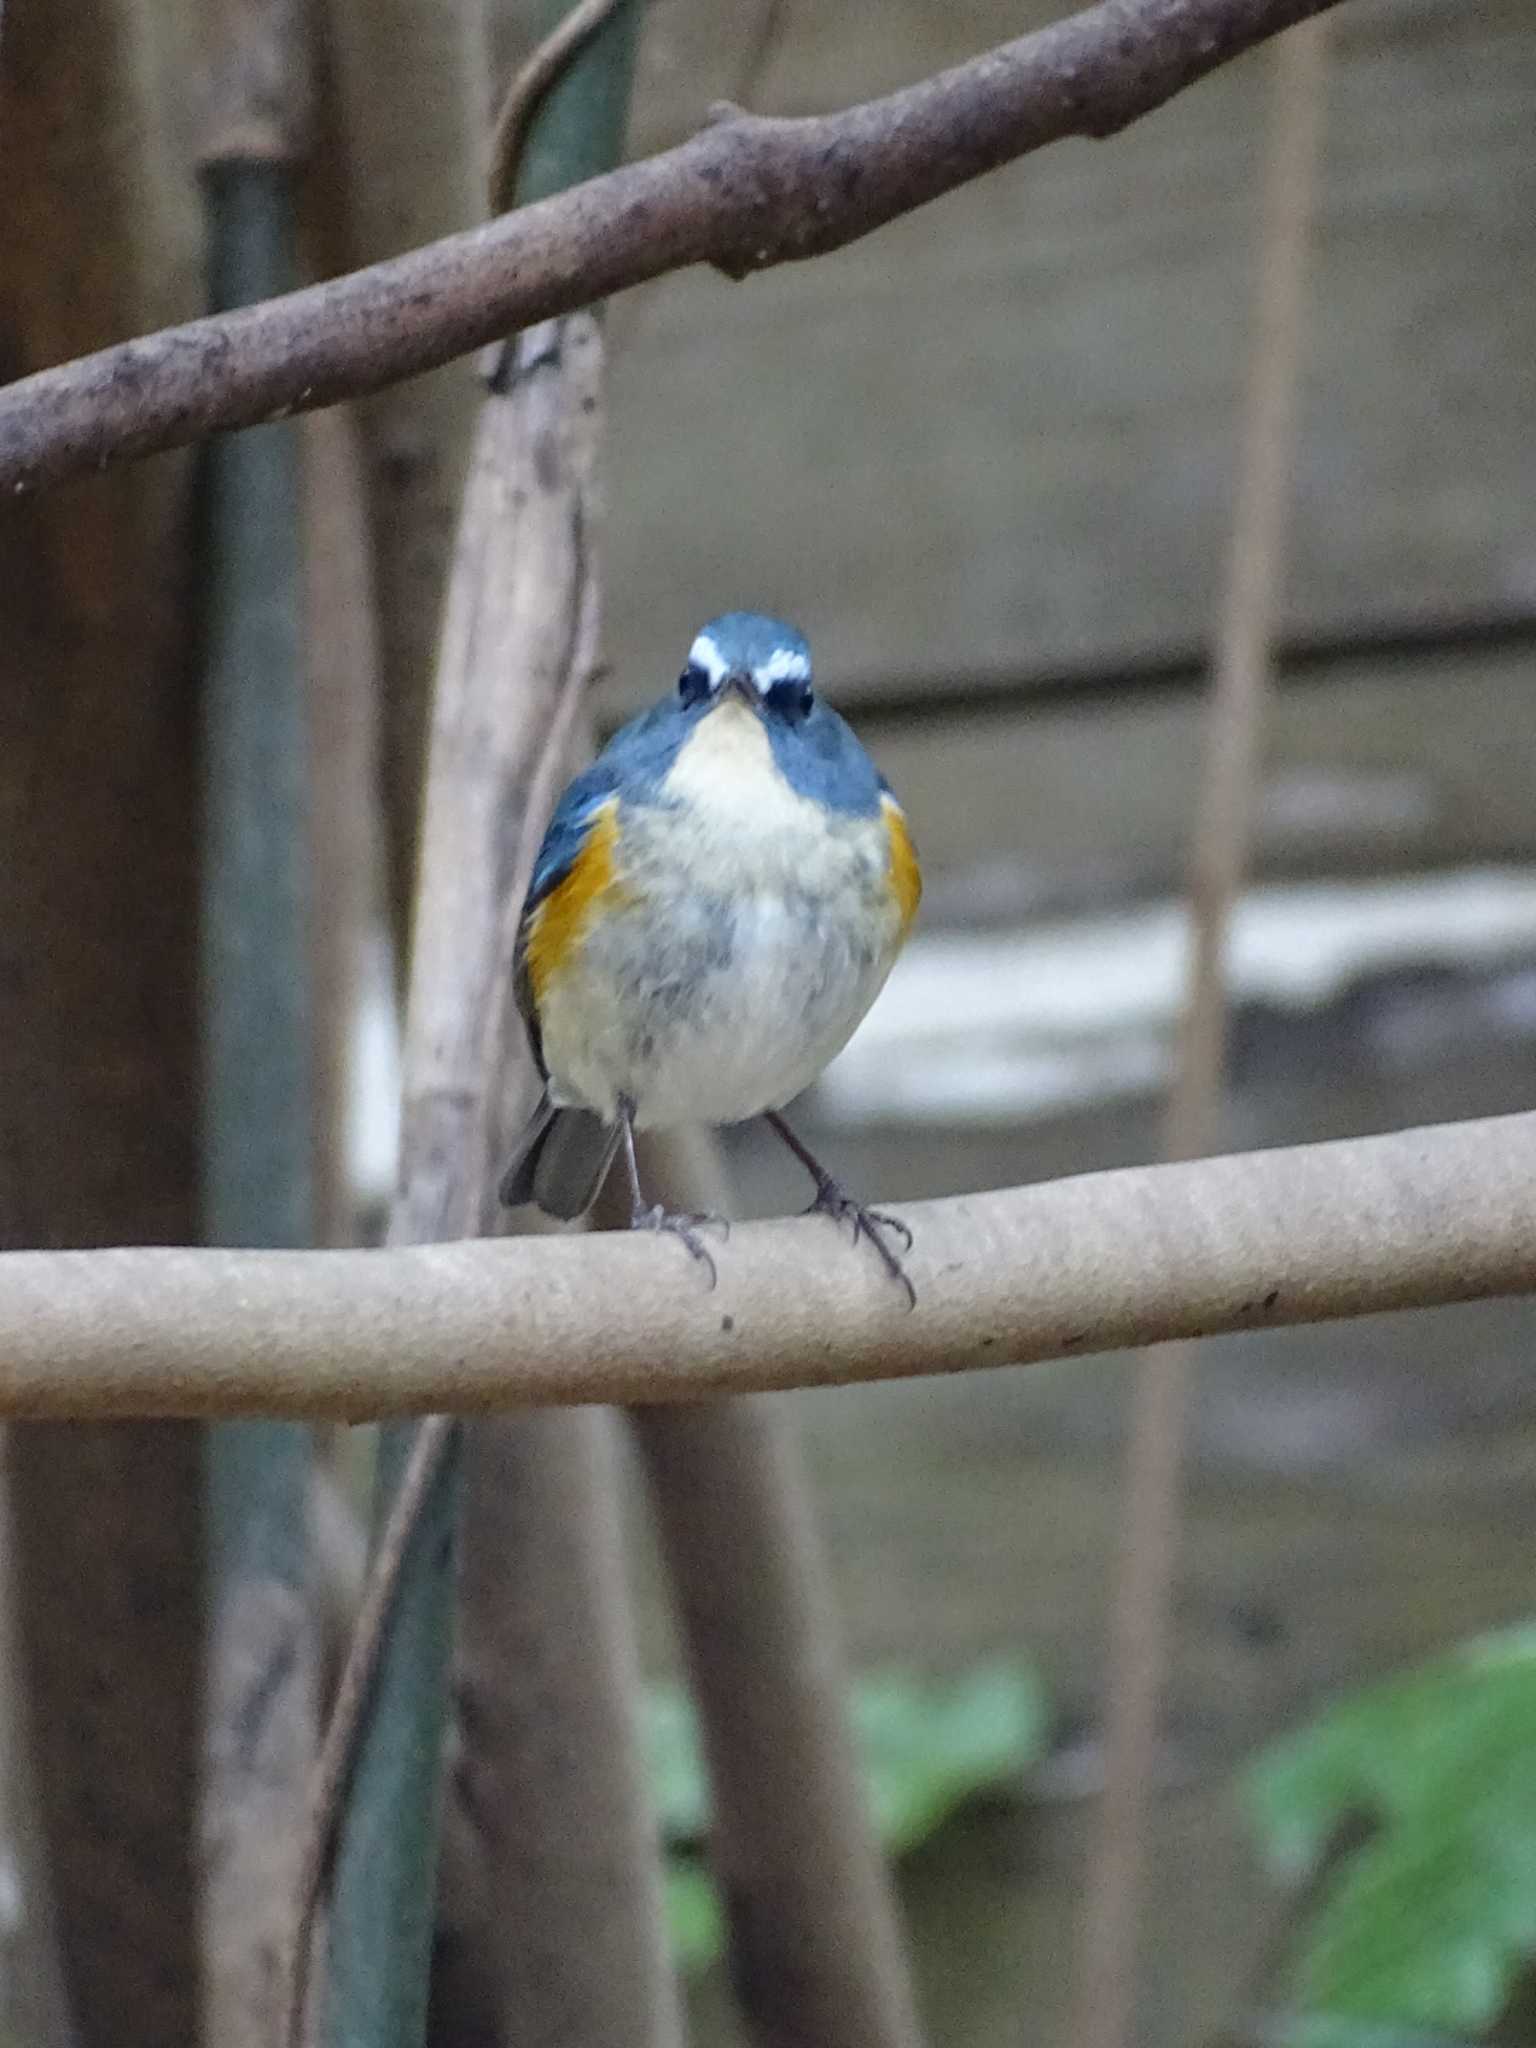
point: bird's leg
(834, 1200)
(645, 1215)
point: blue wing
(632, 764)
(568, 830)
(557, 855)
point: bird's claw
(834, 1200)
(684, 1227)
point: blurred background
(986, 460)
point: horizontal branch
(746, 193)
(1107, 1260)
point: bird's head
(761, 661)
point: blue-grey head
(763, 661)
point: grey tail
(560, 1161)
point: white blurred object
(373, 1077)
(981, 1028)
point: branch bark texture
(746, 193)
(1250, 1241)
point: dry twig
(328, 1783)
(746, 193)
(527, 89)
(549, 1828)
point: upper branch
(1135, 1257)
(745, 193)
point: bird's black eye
(790, 700)
(693, 684)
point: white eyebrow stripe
(706, 655)
(784, 665)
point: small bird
(717, 902)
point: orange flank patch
(556, 928)
(906, 875)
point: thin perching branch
(1261, 1240)
(748, 192)
(1139, 1648)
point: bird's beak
(740, 684)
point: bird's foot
(834, 1200)
(682, 1225)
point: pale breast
(757, 931)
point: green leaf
(1428, 1926)
(695, 1921)
(926, 1746)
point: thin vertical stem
(1252, 587)
(34, 2003)
(33, 1996)
(98, 892)
(815, 1947)
(406, 107)
(257, 1138)
(257, 1173)
(386, 1862)
(1140, 1625)
(461, 1035)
